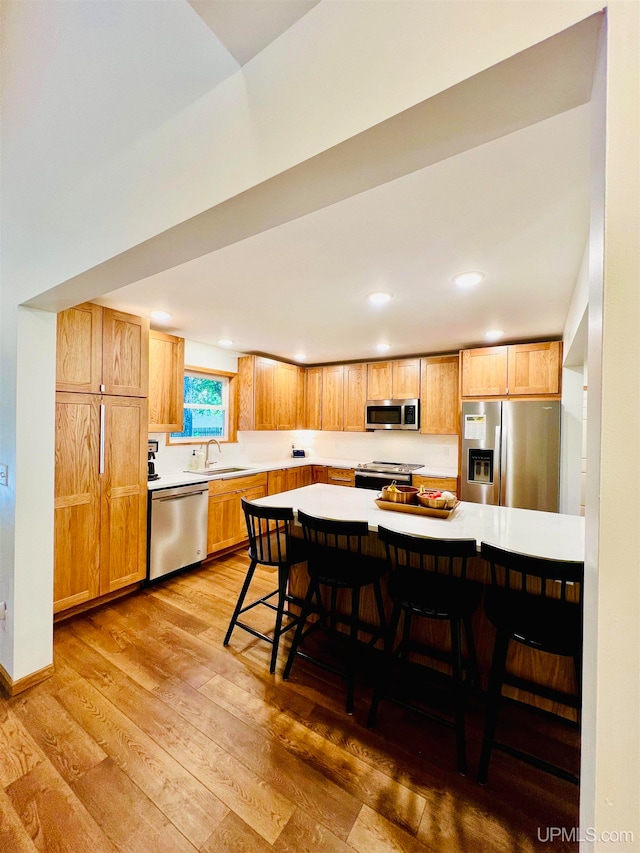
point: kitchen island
(540, 534)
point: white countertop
(185, 478)
(541, 534)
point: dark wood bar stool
(538, 603)
(336, 561)
(427, 579)
(270, 544)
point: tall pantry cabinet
(100, 507)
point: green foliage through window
(205, 407)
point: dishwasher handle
(179, 497)
(172, 494)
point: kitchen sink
(213, 472)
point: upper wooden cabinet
(439, 404)
(102, 351)
(394, 380)
(166, 382)
(333, 397)
(313, 398)
(355, 397)
(535, 368)
(271, 394)
(519, 369)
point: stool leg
(474, 670)
(498, 666)
(387, 664)
(283, 580)
(241, 598)
(456, 650)
(380, 605)
(353, 648)
(306, 610)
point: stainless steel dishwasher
(178, 528)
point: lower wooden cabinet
(448, 484)
(319, 473)
(226, 525)
(285, 479)
(341, 476)
(100, 506)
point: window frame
(232, 407)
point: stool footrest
(539, 763)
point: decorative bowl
(403, 495)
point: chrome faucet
(206, 458)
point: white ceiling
(516, 208)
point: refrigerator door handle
(498, 467)
(504, 471)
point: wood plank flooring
(153, 738)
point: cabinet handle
(341, 479)
(102, 423)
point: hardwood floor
(152, 737)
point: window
(206, 407)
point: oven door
(375, 481)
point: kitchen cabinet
(285, 479)
(440, 402)
(100, 505)
(225, 524)
(313, 398)
(341, 476)
(102, 351)
(318, 473)
(448, 484)
(166, 382)
(271, 394)
(394, 380)
(516, 370)
(355, 397)
(333, 397)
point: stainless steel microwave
(392, 414)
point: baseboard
(12, 688)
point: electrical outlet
(4, 474)
(3, 615)
(445, 451)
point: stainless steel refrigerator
(511, 453)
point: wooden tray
(415, 509)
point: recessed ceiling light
(383, 347)
(380, 297)
(225, 342)
(160, 316)
(468, 279)
(493, 335)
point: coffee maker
(151, 465)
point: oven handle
(399, 478)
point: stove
(375, 475)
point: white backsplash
(435, 451)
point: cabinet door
(305, 476)
(319, 473)
(535, 368)
(355, 397)
(79, 349)
(484, 372)
(276, 481)
(124, 492)
(77, 501)
(332, 397)
(125, 354)
(166, 382)
(313, 398)
(265, 394)
(224, 521)
(406, 379)
(440, 409)
(286, 388)
(380, 380)
(340, 476)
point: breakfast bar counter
(540, 534)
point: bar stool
(427, 578)
(270, 544)
(536, 602)
(336, 561)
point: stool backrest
(268, 531)
(320, 533)
(442, 556)
(559, 580)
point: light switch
(4, 474)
